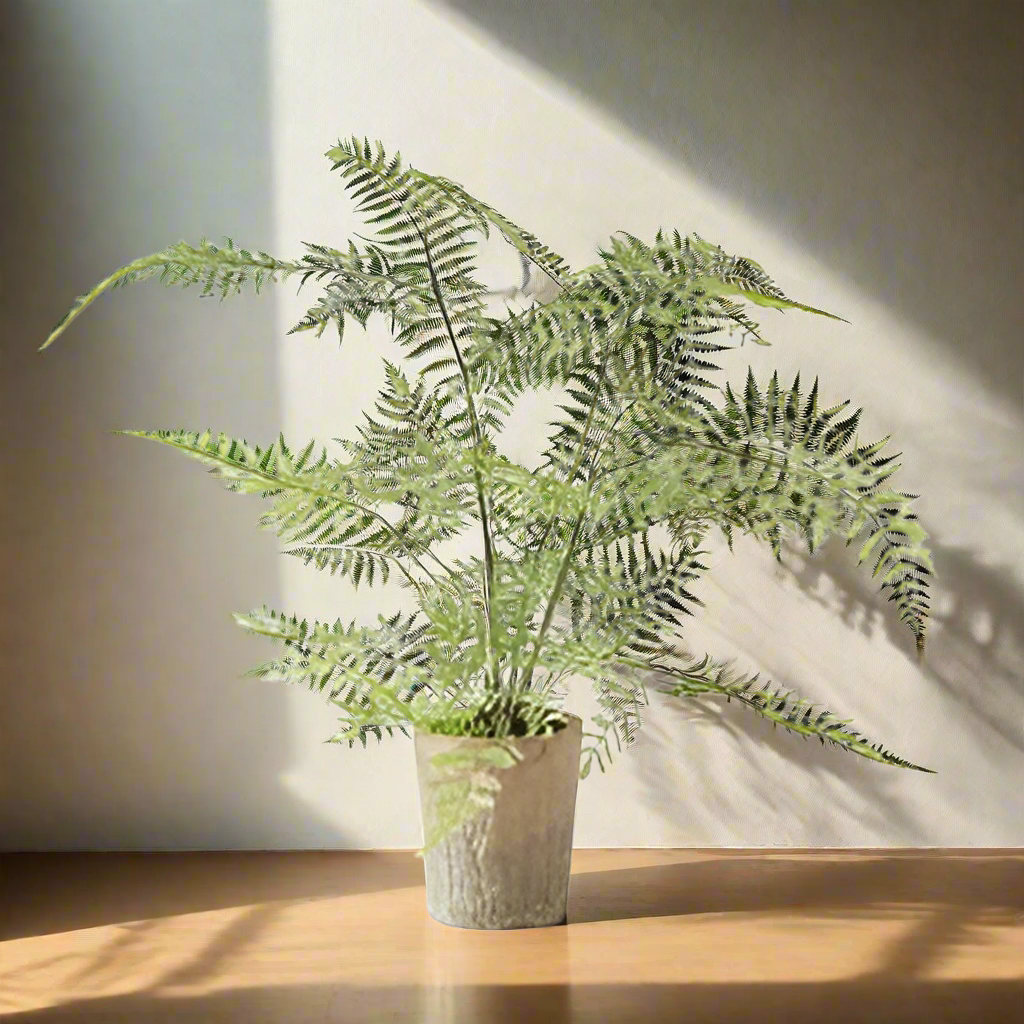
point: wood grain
(653, 935)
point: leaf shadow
(987, 886)
(975, 651)
(974, 659)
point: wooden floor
(654, 935)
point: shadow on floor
(42, 893)
(989, 887)
(838, 1002)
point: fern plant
(585, 565)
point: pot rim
(573, 719)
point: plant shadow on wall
(976, 647)
(714, 808)
(975, 657)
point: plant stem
(478, 444)
(556, 593)
(563, 569)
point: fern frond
(641, 592)
(671, 295)
(769, 461)
(359, 564)
(362, 164)
(353, 666)
(531, 247)
(778, 706)
(621, 706)
(426, 236)
(736, 276)
(218, 270)
(316, 503)
(827, 446)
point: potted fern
(582, 567)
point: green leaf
(464, 783)
(223, 270)
(778, 706)
(724, 288)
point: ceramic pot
(509, 866)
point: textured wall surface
(871, 165)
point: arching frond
(655, 305)
(705, 677)
(808, 471)
(321, 506)
(765, 462)
(217, 270)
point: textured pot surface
(508, 867)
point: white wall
(113, 749)
(124, 722)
